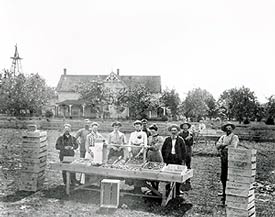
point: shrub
(48, 114)
(270, 121)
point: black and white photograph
(137, 108)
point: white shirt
(173, 150)
(138, 139)
(231, 140)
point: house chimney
(65, 71)
(117, 71)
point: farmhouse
(69, 103)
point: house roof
(67, 83)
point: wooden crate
(239, 191)
(242, 165)
(109, 194)
(31, 181)
(33, 167)
(241, 172)
(34, 153)
(242, 155)
(233, 212)
(34, 139)
(241, 179)
(239, 202)
(35, 160)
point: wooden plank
(35, 160)
(34, 153)
(230, 184)
(240, 199)
(113, 172)
(33, 167)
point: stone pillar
(34, 159)
(70, 110)
(83, 110)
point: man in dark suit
(174, 151)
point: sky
(214, 44)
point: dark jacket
(188, 142)
(63, 141)
(180, 149)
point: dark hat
(94, 123)
(144, 120)
(228, 124)
(189, 125)
(173, 126)
(137, 122)
(116, 123)
(153, 127)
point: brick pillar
(34, 159)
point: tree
(171, 100)
(240, 103)
(138, 99)
(270, 110)
(23, 94)
(96, 95)
(199, 103)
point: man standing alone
(225, 141)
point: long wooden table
(142, 174)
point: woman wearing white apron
(94, 147)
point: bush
(270, 121)
(246, 121)
(48, 114)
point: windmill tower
(16, 66)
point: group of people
(174, 149)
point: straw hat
(173, 126)
(185, 123)
(94, 124)
(228, 124)
(137, 122)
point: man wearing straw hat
(174, 151)
(116, 138)
(82, 136)
(66, 144)
(225, 141)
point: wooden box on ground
(233, 212)
(109, 194)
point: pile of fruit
(154, 165)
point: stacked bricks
(240, 191)
(34, 159)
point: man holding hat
(66, 144)
(116, 138)
(82, 135)
(174, 151)
(225, 141)
(188, 139)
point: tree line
(27, 94)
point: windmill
(16, 67)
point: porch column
(70, 110)
(56, 110)
(83, 110)
(150, 114)
(164, 111)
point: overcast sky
(212, 44)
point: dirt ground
(202, 200)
